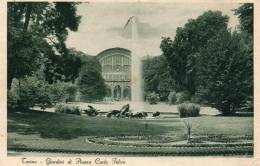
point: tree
(90, 82)
(156, 76)
(64, 68)
(91, 85)
(225, 72)
(182, 52)
(245, 14)
(36, 35)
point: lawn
(36, 130)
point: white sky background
(102, 24)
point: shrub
(153, 98)
(11, 100)
(57, 92)
(188, 110)
(182, 97)
(249, 105)
(67, 109)
(172, 97)
(28, 92)
(70, 92)
(196, 99)
(44, 100)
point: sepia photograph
(127, 79)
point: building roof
(113, 50)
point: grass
(63, 126)
(211, 125)
(52, 131)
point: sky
(102, 24)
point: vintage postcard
(129, 83)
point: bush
(70, 92)
(29, 92)
(196, 99)
(182, 97)
(57, 92)
(152, 98)
(172, 98)
(67, 109)
(188, 110)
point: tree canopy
(209, 60)
(90, 82)
(156, 76)
(245, 14)
(36, 34)
(182, 52)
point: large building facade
(116, 70)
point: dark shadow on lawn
(65, 126)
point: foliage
(63, 68)
(197, 99)
(67, 109)
(88, 62)
(91, 84)
(62, 92)
(188, 126)
(29, 92)
(70, 91)
(248, 106)
(212, 63)
(226, 72)
(245, 14)
(12, 99)
(172, 98)
(182, 52)
(156, 76)
(188, 110)
(57, 92)
(36, 34)
(152, 98)
(182, 97)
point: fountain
(136, 68)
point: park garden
(197, 100)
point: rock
(156, 114)
(91, 111)
(113, 113)
(139, 115)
